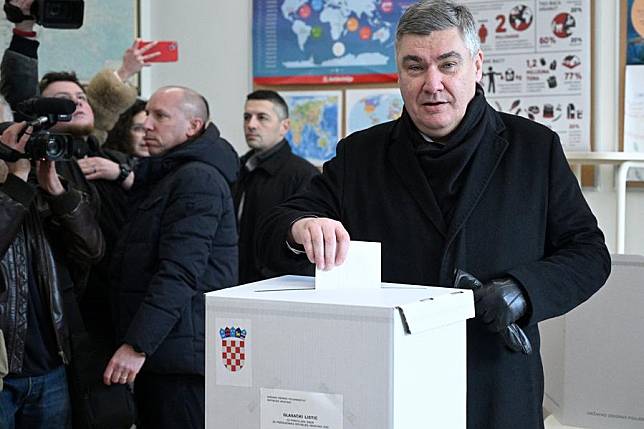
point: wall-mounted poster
(316, 123)
(634, 115)
(325, 41)
(635, 32)
(368, 107)
(109, 28)
(537, 62)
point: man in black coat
(179, 241)
(453, 184)
(270, 174)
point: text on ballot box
(388, 357)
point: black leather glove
(498, 304)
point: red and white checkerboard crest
(233, 347)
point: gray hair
(427, 16)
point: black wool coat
(273, 181)
(521, 213)
(179, 241)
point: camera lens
(54, 148)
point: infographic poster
(634, 115)
(537, 62)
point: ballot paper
(361, 269)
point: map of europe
(325, 37)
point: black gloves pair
(498, 304)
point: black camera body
(50, 146)
(42, 113)
(61, 14)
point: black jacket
(276, 178)
(63, 232)
(179, 241)
(520, 213)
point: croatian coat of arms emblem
(233, 343)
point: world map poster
(316, 122)
(369, 107)
(325, 41)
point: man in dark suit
(270, 174)
(453, 184)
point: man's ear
(285, 125)
(196, 125)
(478, 64)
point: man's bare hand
(325, 241)
(10, 137)
(48, 178)
(124, 366)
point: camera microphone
(42, 106)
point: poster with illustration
(537, 62)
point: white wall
(214, 55)
(215, 59)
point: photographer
(98, 108)
(47, 226)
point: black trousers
(170, 401)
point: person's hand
(99, 168)
(499, 303)
(135, 58)
(25, 7)
(325, 241)
(48, 178)
(9, 137)
(124, 366)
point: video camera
(42, 113)
(61, 14)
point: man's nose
(251, 123)
(147, 124)
(433, 81)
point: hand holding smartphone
(165, 50)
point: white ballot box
(281, 354)
(593, 357)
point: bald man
(180, 241)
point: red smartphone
(168, 51)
